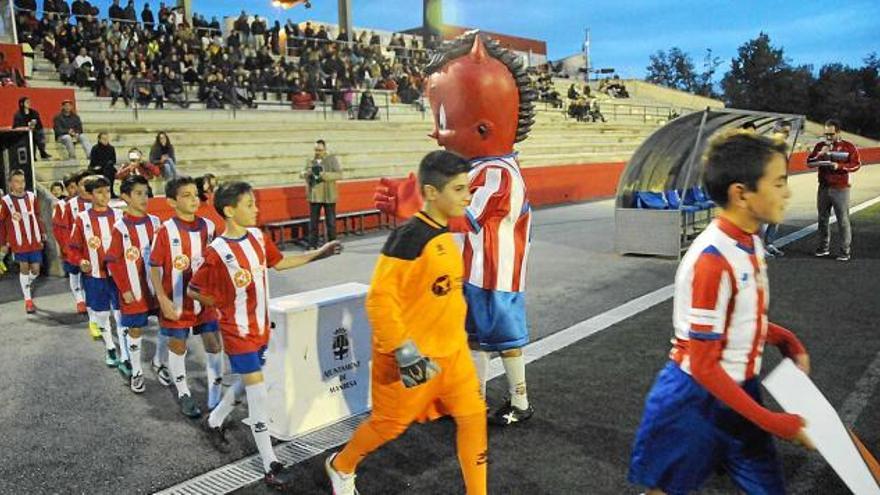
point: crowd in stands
(154, 61)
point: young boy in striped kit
(234, 280)
(704, 411)
(61, 231)
(22, 230)
(72, 208)
(133, 236)
(89, 242)
(177, 253)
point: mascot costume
(482, 106)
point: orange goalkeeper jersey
(416, 291)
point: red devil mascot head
(480, 97)
(482, 105)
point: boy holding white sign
(704, 410)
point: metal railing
(323, 105)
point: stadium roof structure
(670, 158)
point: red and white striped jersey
(22, 229)
(63, 226)
(90, 240)
(179, 250)
(496, 249)
(130, 247)
(721, 293)
(234, 275)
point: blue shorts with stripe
(138, 320)
(248, 362)
(183, 333)
(496, 320)
(687, 435)
(101, 293)
(32, 257)
(70, 268)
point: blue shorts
(183, 333)
(32, 257)
(139, 320)
(101, 294)
(248, 362)
(496, 320)
(70, 268)
(686, 435)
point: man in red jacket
(834, 187)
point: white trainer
(343, 484)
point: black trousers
(315, 217)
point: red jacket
(836, 178)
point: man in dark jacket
(102, 160)
(68, 129)
(28, 117)
(116, 13)
(147, 17)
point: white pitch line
(603, 321)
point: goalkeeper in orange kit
(422, 368)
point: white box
(318, 359)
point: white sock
(214, 369)
(257, 396)
(226, 405)
(25, 280)
(481, 362)
(515, 368)
(160, 358)
(102, 318)
(122, 337)
(134, 352)
(76, 288)
(177, 366)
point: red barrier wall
(13, 56)
(46, 101)
(549, 185)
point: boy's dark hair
(57, 183)
(228, 194)
(70, 179)
(439, 167)
(833, 123)
(174, 185)
(737, 156)
(129, 182)
(96, 182)
(750, 126)
(82, 175)
(322, 143)
(16, 171)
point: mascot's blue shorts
(496, 320)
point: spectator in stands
(8, 76)
(147, 17)
(258, 33)
(367, 108)
(129, 14)
(573, 92)
(162, 156)
(116, 13)
(136, 165)
(68, 130)
(81, 9)
(66, 68)
(242, 27)
(28, 117)
(834, 187)
(321, 174)
(102, 159)
(115, 90)
(174, 90)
